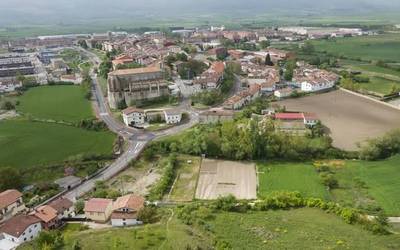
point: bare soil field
(220, 178)
(350, 118)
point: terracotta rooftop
(45, 213)
(97, 205)
(122, 72)
(61, 204)
(18, 224)
(8, 197)
(130, 201)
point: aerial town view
(186, 124)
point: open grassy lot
(156, 236)
(370, 184)
(304, 228)
(382, 47)
(380, 85)
(187, 172)
(24, 144)
(57, 103)
(365, 119)
(296, 229)
(300, 177)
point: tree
(83, 44)
(10, 178)
(148, 214)
(264, 44)
(79, 206)
(289, 68)
(8, 106)
(268, 60)
(50, 240)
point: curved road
(136, 139)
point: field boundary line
(369, 98)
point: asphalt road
(137, 139)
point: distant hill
(76, 11)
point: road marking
(103, 114)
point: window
(24, 239)
(35, 225)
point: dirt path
(167, 228)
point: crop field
(370, 184)
(347, 126)
(65, 103)
(220, 178)
(187, 174)
(300, 177)
(296, 229)
(383, 47)
(24, 144)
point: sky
(75, 11)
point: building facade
(132, 85)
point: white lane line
(103, 114)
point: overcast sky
(47, 11)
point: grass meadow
(370, 184)
(300, 177)
(383, 47)
(304, 228)
(64, 102)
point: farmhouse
(10, 204)
(308, 119)
(133, 116)
(64, 207)
(19, 229)
(48, 217)
(125, 210)
(131, 85)
(97, 209)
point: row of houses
(212, 77)
(136, 117)
(19, 225)
(244, 97)
(122, 212)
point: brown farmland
(221, 178)
(350, 118)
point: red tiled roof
(8, 197)
(45, 213)
(18, 224)
(61, 204)
(129, 201)
(97, 205)
(289, 116)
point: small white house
(133, 116)
(19, 229)
(172, 117)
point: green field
(383, 47)
(380, 85)
(24, 144)
(65, 103)
(290, 177)
(296, 229)
(362, 184)
(369, 184)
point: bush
(329, 180)
(148, 214)
(381, 148)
